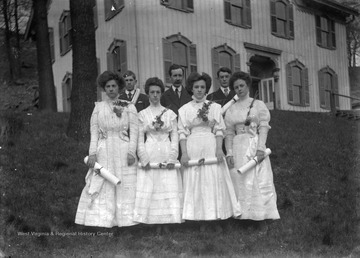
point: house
(295, 50)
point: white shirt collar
(223, 89)
(132, 92)
(179, 88)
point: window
(282, 18)
(113, 7)
(328, 81)
(52, 47)
(297, 84)
(66, 92)
(65, 32)
(116, 56)
(177, 49)
(238, 12)
(182, 5)
(224, 56)
(325, 32)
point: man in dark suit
(176, 96)
(131, 93)
(223, 95)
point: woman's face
(241, 88)
(199, 89)
(154, 94)
(111, 89)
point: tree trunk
(47, 97)
(83, 93)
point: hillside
(315, 162)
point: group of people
(199, 146)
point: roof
(332, 6)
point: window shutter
(227, 10)
(110, 61)
(167, 55)
(332, 34)
(98, 89)
(336, 89)
(305, 82)
(318, 29)
(64, 96)
(289, 84)
(69, 31)
(123, 57)
(95, 13)
(247, 9)
(236, 59)
(193, 61)
(321, 89)
(291, 21)
(61, 37)
(190, 5)
(51, 41)
(273, 16)
(216, 67)
(108, 4)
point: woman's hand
(170, 166)
(91, 160)
(230, 161)
(184, 160)
(219, 154)
(147, 166)
(260, 155)
(130, 159)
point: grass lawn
(315, 158)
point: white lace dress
(255, 188)
(101, 203)
(208, 191)
(159, 191)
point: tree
(47, 97)
(83, 93)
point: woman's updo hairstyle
(154, 81)
(239, 75)
(108, 76)
(194, 77)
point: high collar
(199, 100)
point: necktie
(129, 95)
(226, 92)
(177, 92)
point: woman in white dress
(247, 125)
(114, 133)
(208, 191)
(159, 190)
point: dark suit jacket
(220, 98)
(170, 100)
(141, 103)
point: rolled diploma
(229, 104)
(160, 165)
(104, 173)
(252, 163)
(196, 162)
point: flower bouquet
(204, 111)
(158, 123)
(119, 106)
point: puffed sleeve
(94, 130)
(134, 129)
(174, 152)
(263, 128)
(141, 151)
(219, 126)
(183, 129)
(229, 133)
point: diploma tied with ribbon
(252, 163)
(100, 170)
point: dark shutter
(273, 16)
(291, 21)
(190, 5)
(321, 89)
(227, 10)
(167, 55)
(336, 89)
(95, 13)
(216, 67)
(332, 34)
(110, 61)
(305, 84)
(123, 57)
(247, 13)
(289, 84)
(318, 29)
(236, 59)
(61, 37)
(193, 60)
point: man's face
(224, 79)
(130, 83)
(176, 77)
